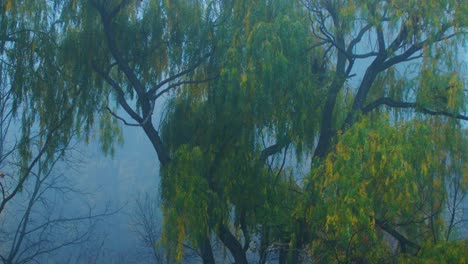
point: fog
(117, 181)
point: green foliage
(446, 252)
(219, 126)
(250, 89)
(384, 175)
(44, 99)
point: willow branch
(399, 104)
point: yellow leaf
(329, 167)
(8, 5)
(354, 220)
(436, 183)
(243, 79)
(424, 168)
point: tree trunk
(207, 252)
(231, 242)
(155, 139)
(282, 256)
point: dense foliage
(315, 131)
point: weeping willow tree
(41, 116)
(406, 177)
(254, 86)
(387, 192)
(368, 96)
(222, 134)
(39, 99)
(233, 73)
(390, 161)
(30, 77)
(374, 192)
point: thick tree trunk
(264, 243)
(234, 246)
(302, 236)
(156, 141)
(326, 127)
(363, 91)
(207, 251)
(282, 256)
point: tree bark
(231, 242)
(326, 127)
(206, 251)
(157, 143)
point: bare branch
(402, 35)
(399, 104)
(316, 45)
(406, 55)
(282, 164)
(142, 123)
(381, 40)
(402, 239)
(42, 151)
(271, 150)
(358, 38)
(120, 94)
(174, 85)
(152, 92)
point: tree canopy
(329, 131)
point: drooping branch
(399, 104)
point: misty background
(132, 172)
(116, 182)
